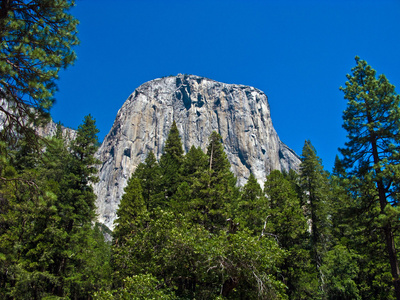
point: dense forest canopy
(185, 230)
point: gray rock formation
(50, 130)
(47, 130)
(241, 114)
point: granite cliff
(241, 114)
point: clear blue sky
(297, 52)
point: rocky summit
(199, 106)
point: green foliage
(149, 174)
(221, 187)
(199, 265)
(36, 40)
(131, 209)
(194, 164)
(142, 286)
(286, 219)
(371, 155)
(186, 231)
(285, 222)
(131, 218)
(315, 187)
(251, 209)
(171, 162)
(186, 244)
(48, 245)
(341, 270)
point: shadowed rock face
(199, 106)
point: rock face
(47, 130)
(50, 130)
(241, 114)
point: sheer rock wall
(241, 114)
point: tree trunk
(390, 245)
(393, 259)
(387, 228)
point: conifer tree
(194, 171)
(171, 162)
(194, 164)
(131, 217)
(251, 209)
(343, 205)
(285, 222)
(76, 198)
(76, 204)
(55, 227)
(131, 209)
(315, 188)
(218, 186)
(218, 161)
(371, 154)
(37, 39)
(357, 265)
(149, 174)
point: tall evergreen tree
(251, 209)
(371, 154)
(285, 221)
(131, 217)
(51, 252)
(77, 198)
(37, 39)
(149, 174)
(131, 210)
(315, 188)
(171, 162)
(76, 204)
(219, 186)
(194, 170)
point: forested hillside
(185, 229)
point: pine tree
(286, 223)
(131, 219)
(218, 161)
(217, 187)
(315, 188)
(251, 209)
(51, 250)
(371, 154)
(171, 162)
(149, 174)
(83, 149)
(194, 164)
(37, 39)
(194, 170)
(131, 210)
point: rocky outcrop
(50, 130)
(241, 114)
(47, 130)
